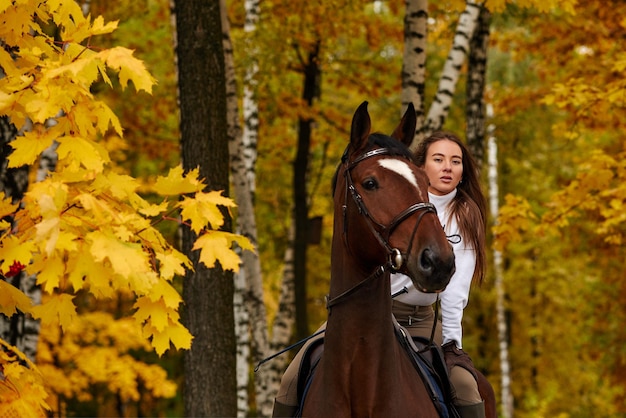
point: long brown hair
(469, 205)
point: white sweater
(454, 298)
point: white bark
(250, 314)
(283, 322)
(505, 395)
(452, 68)
(414, 60)
(250, 105)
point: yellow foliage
(514, 219)
(598, 189)
(85, 227)
(94, 350)
(11, 299)
(21, 385)
(203, 207)
(215, 245)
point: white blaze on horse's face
(402, 168)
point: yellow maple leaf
(83, 70)
(165, 292)
(11, 299)
(13, 249)
(154, 312)
(175, 334)
(50, 273)
(149, 209)
(161, 325)
(85, 272)
(203, 209)
(125, 257)
(129, 68)
(89, 154)
(216, 246)
(6, 207)
(176, 183)
(27, 147)
(48, 232)
(172, 262)
(180, 336)
(58, 309)
(98, 27)
(120, 185)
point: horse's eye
(370, 184)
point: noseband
(395, 258)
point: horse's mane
(378, 140)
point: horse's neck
(364, 314)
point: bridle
(395, 258)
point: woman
(455, 191)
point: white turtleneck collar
(441, 202)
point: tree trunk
(301, 208)
(283, 323)
(503, 337)
(210, 381)
(414, 61)
(21, 331)
(242, 195)
(475, 88)
(438, 111)
(249, 306)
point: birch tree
(413, 78)
(249, 307)
(506, 401)
(243, 196)
(19, 330)
(448, 80)
(475, 87)
(414, 60)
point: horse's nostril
(426, 261)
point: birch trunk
(19, 330)
(505, 395)
(252, 341)
(241, 193)
(414, 60)
(250, 105)
(283, 322)
(475, 88)
(438, 111)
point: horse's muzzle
(432, 271)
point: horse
(383, 223)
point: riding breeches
(288, 391)
(419, 322)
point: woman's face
(444, 166)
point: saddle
(427, 358)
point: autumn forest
(166, 192)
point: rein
(377, 273)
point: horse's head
(382, 209)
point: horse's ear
(361, 125)
(405, 131)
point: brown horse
(383, 222)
